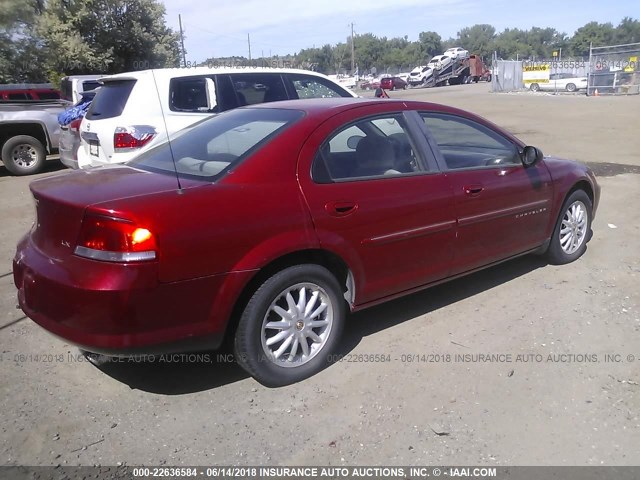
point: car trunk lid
(61, 201)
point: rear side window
(19, 96)
(307, 86)
(48, 95)
(110, 100)
(253, 88)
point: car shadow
(50, 166)
(373, 320)
(181, 374)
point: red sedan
(393, 83)
(269, 223)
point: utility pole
(249, 42)
(184, 55)
(353, 50)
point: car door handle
(473, 189)
(341, 209)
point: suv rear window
(110, 100)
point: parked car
(159, 255)
(420, 75)
(457, 52)
(561, 81)
(29, 131)
(28, 94)
(439, 62)
(126, 115)
(371, 84)
(70, 131)
(393, 83)
(75, 85)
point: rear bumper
(118, 309)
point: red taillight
(75, 125)
(115, 240)
(136, 136)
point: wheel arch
(317, 256)
(33, 129)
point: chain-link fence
(614, 70)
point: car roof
(320, 109)
(168, 73)
(331, 106)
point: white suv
(134, 111)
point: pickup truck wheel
(23, 155)
(291, 325)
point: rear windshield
(212, 147)
(110, 100)
(90, 85)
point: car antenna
(166, 129)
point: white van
(73, 86)
(134, 111)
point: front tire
(534, 87)
(571, 87)
(572, 230)
(23, 155)
(291, 325)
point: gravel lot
(570, 408)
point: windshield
(210, 148)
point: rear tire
(23, 155)
(572, 230)
(534, 87)
(304, 308)
(571, 87)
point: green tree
(477, 39)
(598, 34)
(430, 44)
(628, 31)
(106, 36)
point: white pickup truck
(29, 131)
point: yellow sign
(555, 53)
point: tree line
(42, 40)
(377, 54)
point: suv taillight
(132, 137)
(115, 240)
(75, 125)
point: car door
(377, 200)
(502, 207)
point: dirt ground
(568, 404)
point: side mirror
(531, 155)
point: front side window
(373, 147)
(209, 148)
(465, 143)
(307, 86)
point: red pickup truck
(13, 95)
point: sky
(279, 27)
